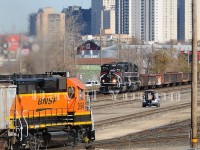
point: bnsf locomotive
(119, 77)
(36, 108)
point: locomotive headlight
(103, 81)
(114, 81)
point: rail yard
(122, 123)
(112, 119)
(91, 121)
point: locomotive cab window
(71, 92)
(25, 87)
(22, 89)
(105, 68)
(47, 85)
(81, 94)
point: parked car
(91, 83)
(150, 98)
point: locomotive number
(47, 100)
(80, 106)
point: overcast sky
(14, 13)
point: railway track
(172, 134)
(138, 116)
(101, 97)
(129, 98)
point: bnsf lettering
(47, 101)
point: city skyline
(14, 14)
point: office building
(32, 24)
(185, 20)
(103, 16)
(82, 17)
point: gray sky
(14, 13)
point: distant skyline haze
(14, 14)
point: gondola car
(36, 108)
(149, 81)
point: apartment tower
(153, 20)
(122, 16)
(50, 25)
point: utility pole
(194, 139)
(75, 52)
(118, 47)
(64, 53)
(101, 28)
(100, 47)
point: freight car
(119, 77)
(149, 81)
(36, 108)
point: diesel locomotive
(119, 77)
(36, 108)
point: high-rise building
(169, 20)
(153, 20)
(103, 16)
(140, 19)
(32, 24)
(122, 8)
(84, 17)
(50, 24)
(185, 20)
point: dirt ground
(154, 121)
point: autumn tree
(163, 61)
(160, 62)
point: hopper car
(37, 108)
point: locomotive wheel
(3, 141)
(34, 142)
(3, 144)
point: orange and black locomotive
(36, 108)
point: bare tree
(57, 53)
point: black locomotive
(119, 77)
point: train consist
(36, 108)
(124, 76)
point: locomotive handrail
(92, 118)
(25, 122)
(21, 127)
